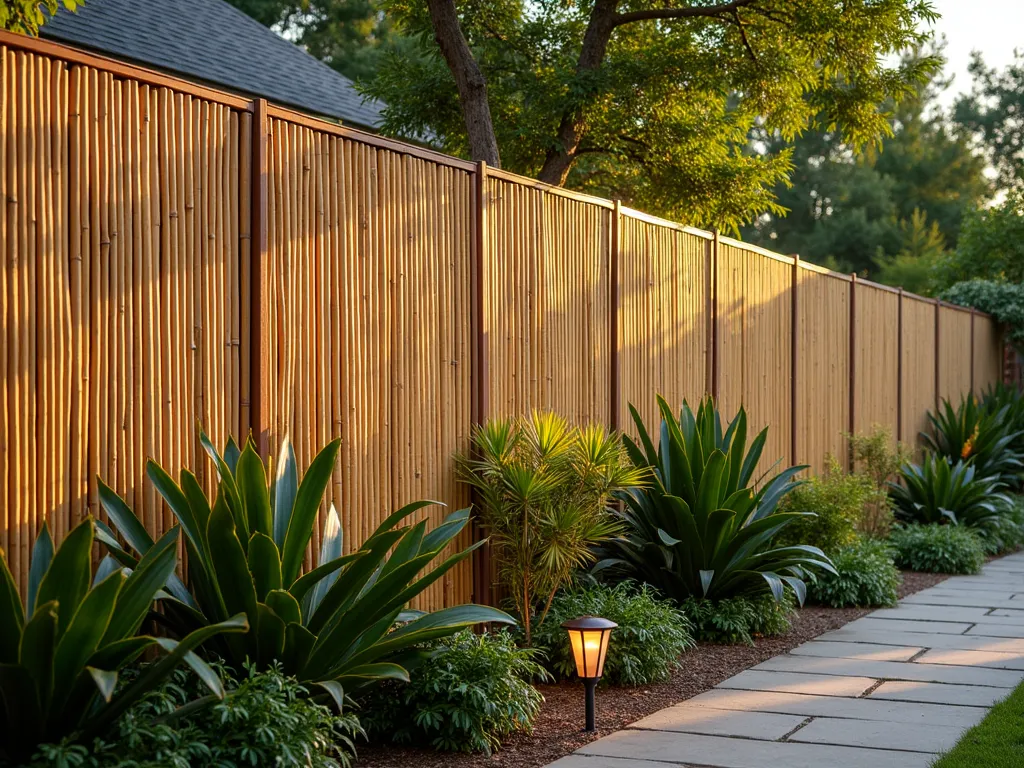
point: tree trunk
(469, 80)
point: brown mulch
(557, 730)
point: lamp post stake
(590, 685)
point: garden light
(589, 636)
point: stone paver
(889, 690)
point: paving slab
(913, 713)
(988, 659)
(795, 682)
(879, 735)
(947, 642)
(932, 613)
(894, 670)
(1017, 613)
(965, 599)
(867, 651)
(577, 760)
(989, 629)
(722, 752)
(685, 718)
(939, 693)
(982, 584)
(910, 625)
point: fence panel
(876, 358)
(548, 300)
(755, 331)
(954, 350)
(823, 371)
(663, 319)
(369, 277)
(988, 354)
(126, 236)
(918, 367)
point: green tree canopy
(626, 98)
(26, 16)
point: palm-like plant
(333, 626)
(60, 654)
(936, 491)
(985, 436)
(545, 489)
(705, 527)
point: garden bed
(558, 727)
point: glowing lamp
(588, 636)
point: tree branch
(653, 14)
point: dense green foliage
(990, 246)
(891, 212)
(936, 492)
(265, 719)
(27, 16)
(996, 742)
(937, 548)
(739, 619)
(865, 576)
(703, 529)
(645, 647)
(545, 489)
(879, 458)
(61, 653)
(977, 433)
(654, 106)
(833, 505)
(472, 692)
(331, 626)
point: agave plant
(705, 527)
(545, 489)
(936, 491)
(60, 653)
(333, 626)
(1009, 400)
(972, 432)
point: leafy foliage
(26, 16)
(1004, 301)
(833, 505)
(545, 489)
(265, 719)
(990, 246)
(1009, 536)
(865, 576)
(972, 432)
(705, 527)
(473, 691)
(60, 654)
(331, 626)
(735, 620)
(645, 647)
(656, 109)
(879, 458)
(937, 492)
(937, 548)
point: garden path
(889, 690)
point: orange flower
(969, 445)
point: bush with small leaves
(867, 577)
(1009, 536)
(471, 693)
(937, 548)
(645, 647)
(739, 619)
(879, 458)
(266, 718)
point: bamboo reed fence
(174, 255)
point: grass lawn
(995, 742)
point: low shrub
(837, 500)
(739, 619)
(879, 458)
(867, 577)
(645, 647)
(472, 692)
(265, 719)
(1009, 535)
(937, 548)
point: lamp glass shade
(589, 637)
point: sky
(995, 27)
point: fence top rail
(660, 222)
(526, 181)
(812, 267)
(743, 246)
(72, 56)
(871, 284)
(365, 137)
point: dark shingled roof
(215, 42)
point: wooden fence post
(973, 312)
(259, 376)
(794, 358)
(712, 383)
(938, 350)
(615, 394)
(852, 424)
(482, 577)
(899, 366)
